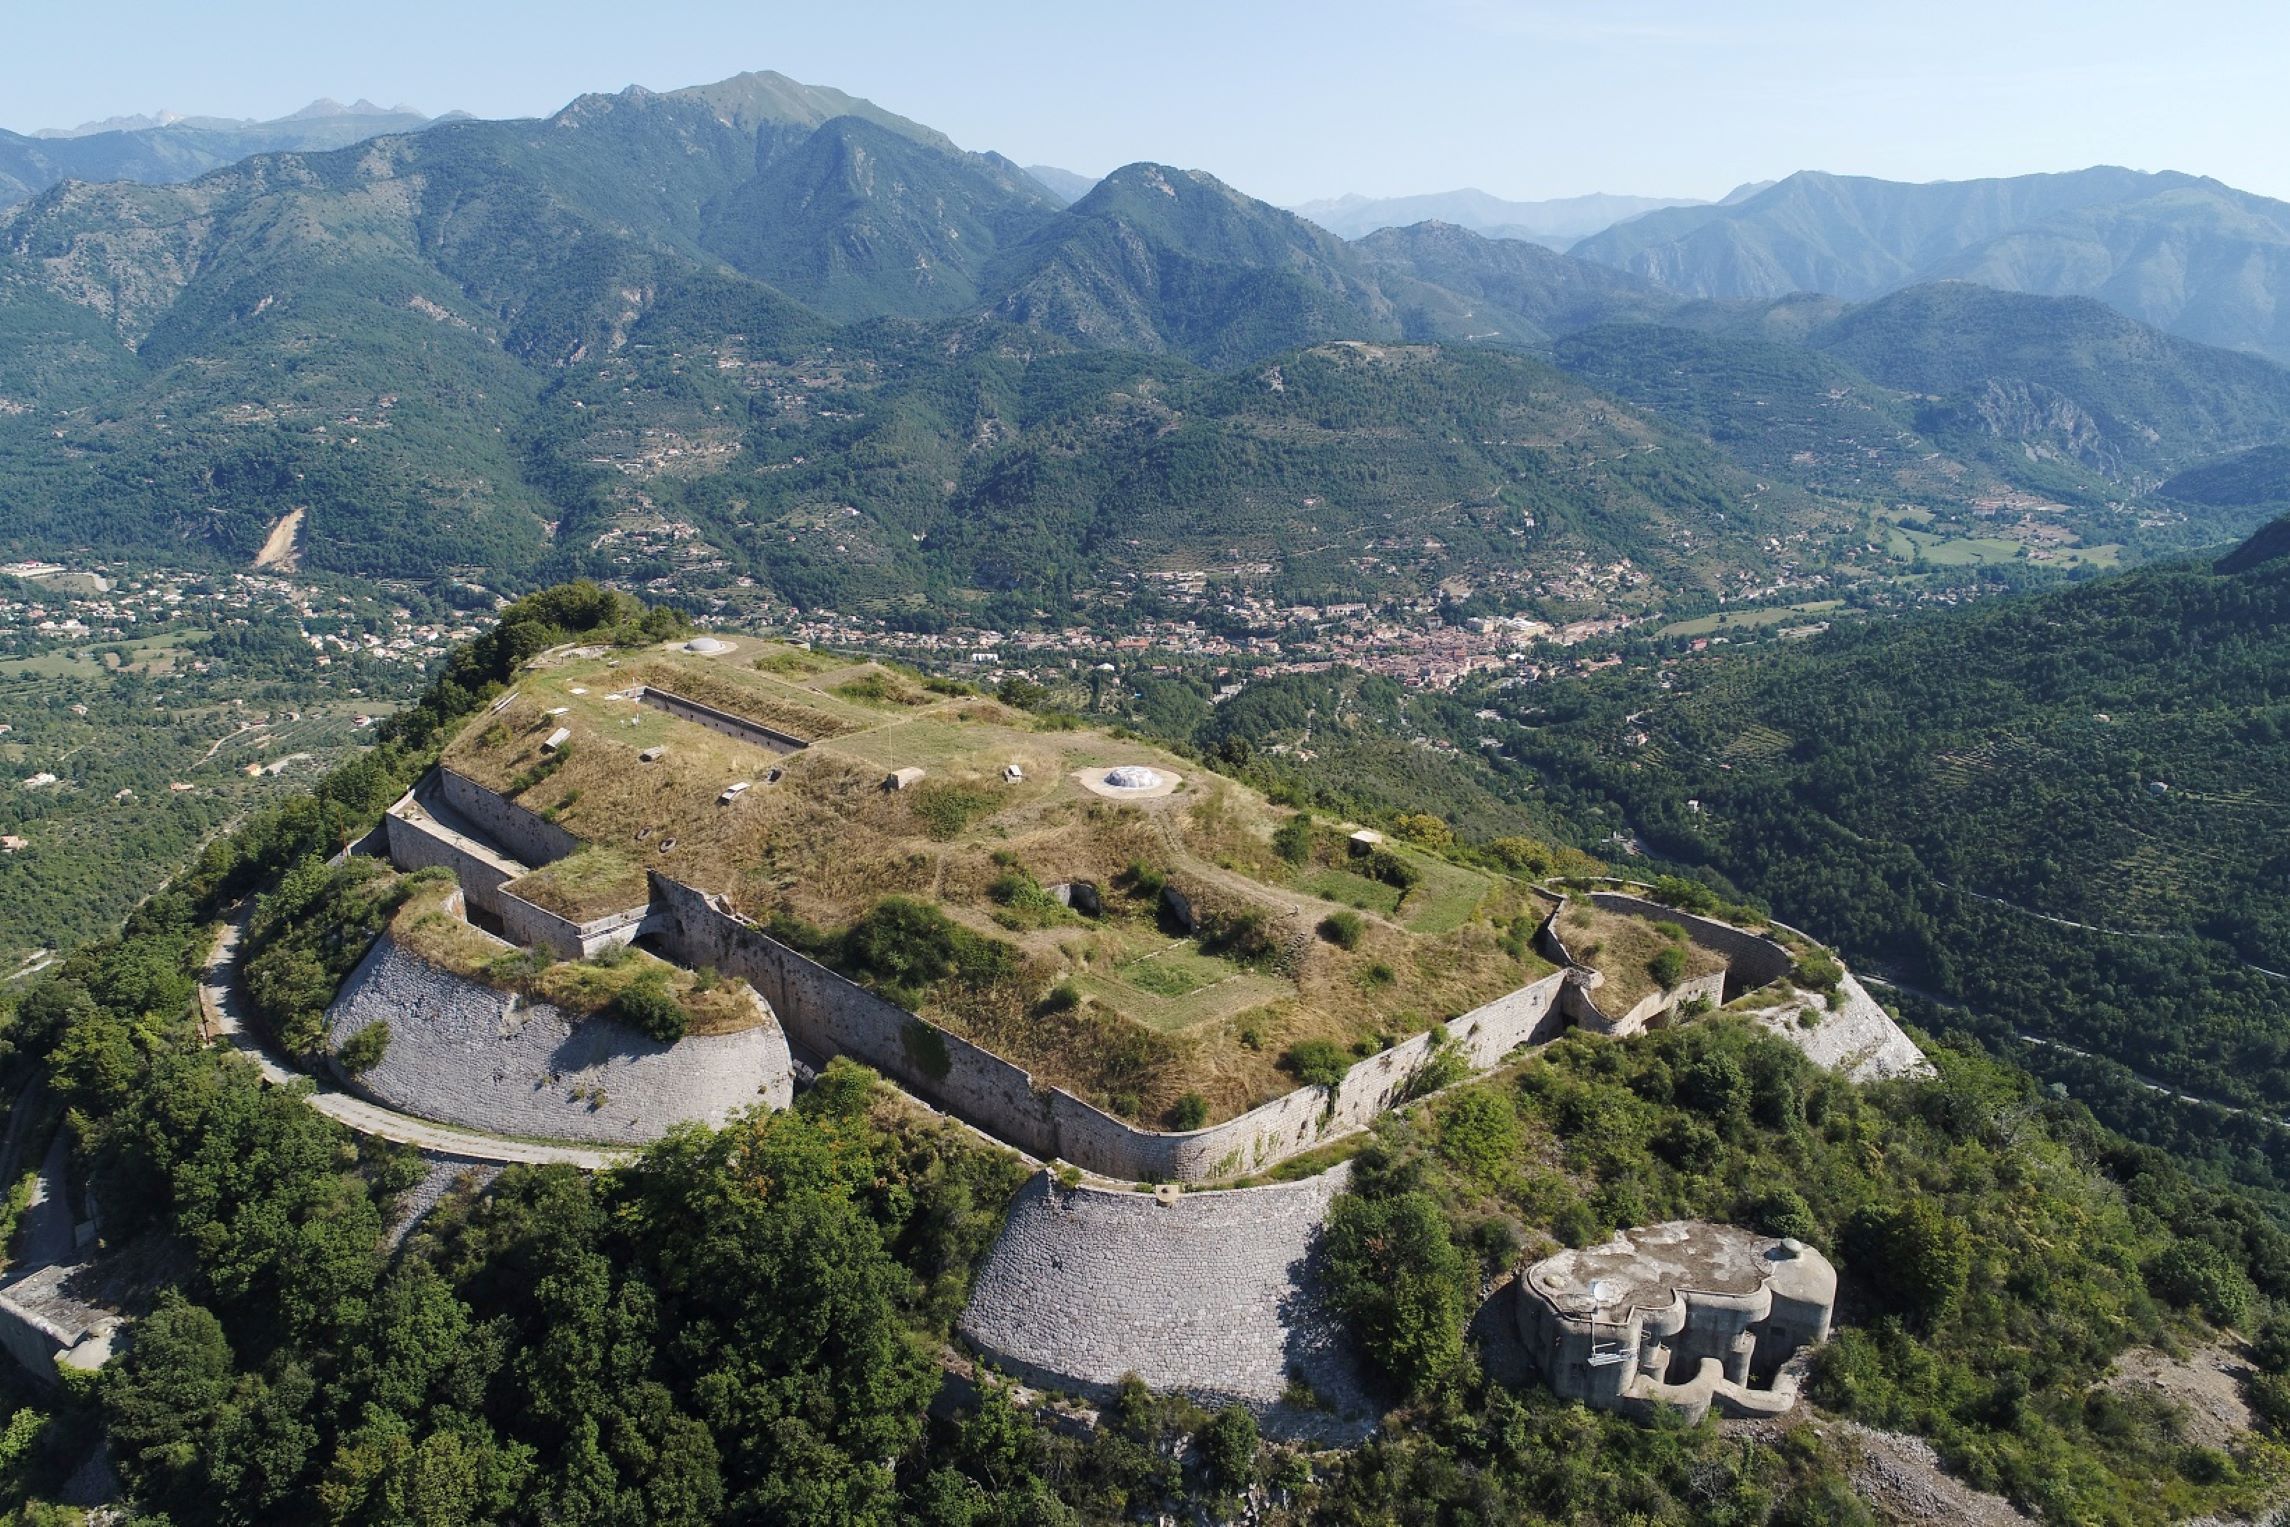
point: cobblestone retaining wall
(461, 1052)
(1214, 1295)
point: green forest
(751, 1323)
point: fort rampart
(825, 1014)
(699, 714)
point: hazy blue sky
(1286, 100)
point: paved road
(222, 1006)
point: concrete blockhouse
(1685, 1314)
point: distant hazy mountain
(2062, 377)
(2260, 475)
(2188, 255)
(1168, 260)
(1557, 223)
(858, 221)
(166, 148)
(324, 109)
(1065, 185)
(1456, 284)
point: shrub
(1380, 974)
(648, 1006)
(904, 947)
(1447, 1066)
(1479, 1131)
(1782, 1211)
(1817, 970)
(1025, 694)
(1912, 1254)
(1522, 855)
(1228, 1449)
(2269, 1397)
(1391, 869)
(2200, 1276)
(1713, 1084)
(1190, 1112)
(1343, 929)
(1424, 828)
(1292, 839)
(1686, 895)
(1244, 934)
(1668, 965)
(1145, 882)
(1398, 1280)
(1061, 998)
(1317, 1063)
(363, 1051)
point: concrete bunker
(1685, 1314)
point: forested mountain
(2062, 377)
(2065, 812)
(1167, 260)
(766, 330)
(2184, 253)
(1458, 285)
(858, 221)
(1554, 223)
(160, 153)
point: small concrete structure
(1366, 840)
(652, 754)
(1129, 782)
(708, 646)
(556, 739)
(902, 779)
(1685, 1314)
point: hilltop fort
(679, 878)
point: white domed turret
(1132, 777)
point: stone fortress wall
(465, 1053)
(753, 732)
(1213, 1295)
(522, 833)
(826, 1014)
(1751, 962)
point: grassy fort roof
(1145, 947)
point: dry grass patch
(781, 711)
(588, 884)
(581, 988)
(1623, 949)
